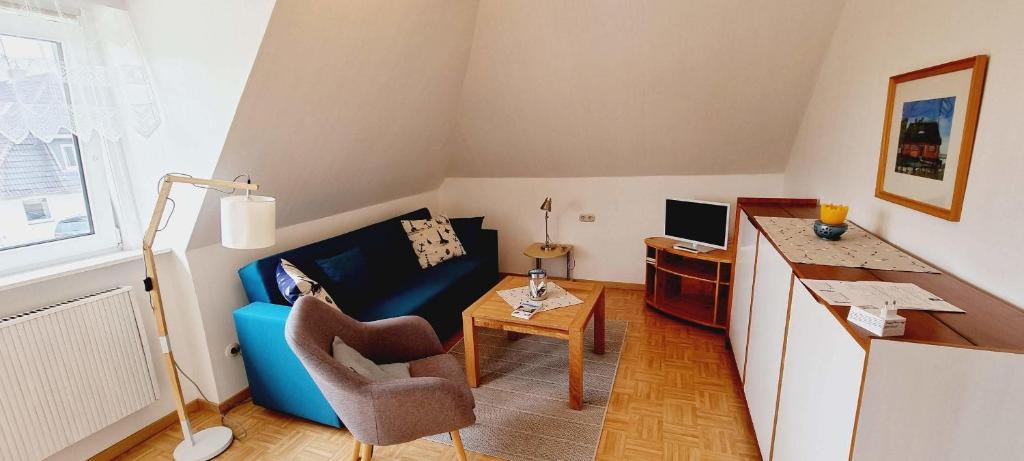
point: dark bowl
(829, 231)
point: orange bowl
(833, 214)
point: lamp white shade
(247, 222)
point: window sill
(11, 281)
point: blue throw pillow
(468, 230)
(348, 270)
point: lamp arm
(152, 284)
(165, 191)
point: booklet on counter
(878, 294)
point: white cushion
(433, 240)
(302, 284)
(355, 361)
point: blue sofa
(381, 279)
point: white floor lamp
(246, 222)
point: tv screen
(705, 223)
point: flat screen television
(702, 226)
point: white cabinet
(923, 401)
(742, 286)
(810, 380)
(764, 345)
(821, 380)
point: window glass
(43, 193)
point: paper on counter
(875, 294)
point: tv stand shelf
(691, 286)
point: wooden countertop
(989, 323)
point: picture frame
(931, 116)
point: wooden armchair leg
(356, 446)
(457, 441)
(367, 452)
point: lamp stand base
(208, 444)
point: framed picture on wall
(930, 119)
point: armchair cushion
(356, 362)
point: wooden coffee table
(567, 323)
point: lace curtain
(85, 77)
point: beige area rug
(522, 410)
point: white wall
(835, 156)
(628, 209)
(590, 88)
(216, 278)
(348, 105)
(31, 296)
(199, 54)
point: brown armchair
(433, 400)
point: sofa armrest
(277, 379)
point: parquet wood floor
(677, 397)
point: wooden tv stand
(691, 286)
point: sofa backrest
(384, 245)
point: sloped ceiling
(620, 88)
(348, 104)
(356, 102)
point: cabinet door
(742, 287)
(940, 403)
(764, 348)
(820, 384)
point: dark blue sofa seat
(390, 284)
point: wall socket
(587, 217)
(233, 350)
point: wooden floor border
(169, 420)
(148, 431)
(234, 401)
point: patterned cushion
(433, 240)
(295, 284)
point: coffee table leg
(472, 361)
(599, 325)
(576, 370)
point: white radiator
(69, 370)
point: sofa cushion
(433, 240)
(347, 270)
(468, 230)
(419, 291)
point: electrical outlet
(233, 350)
(587, 217)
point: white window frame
(106, 237)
